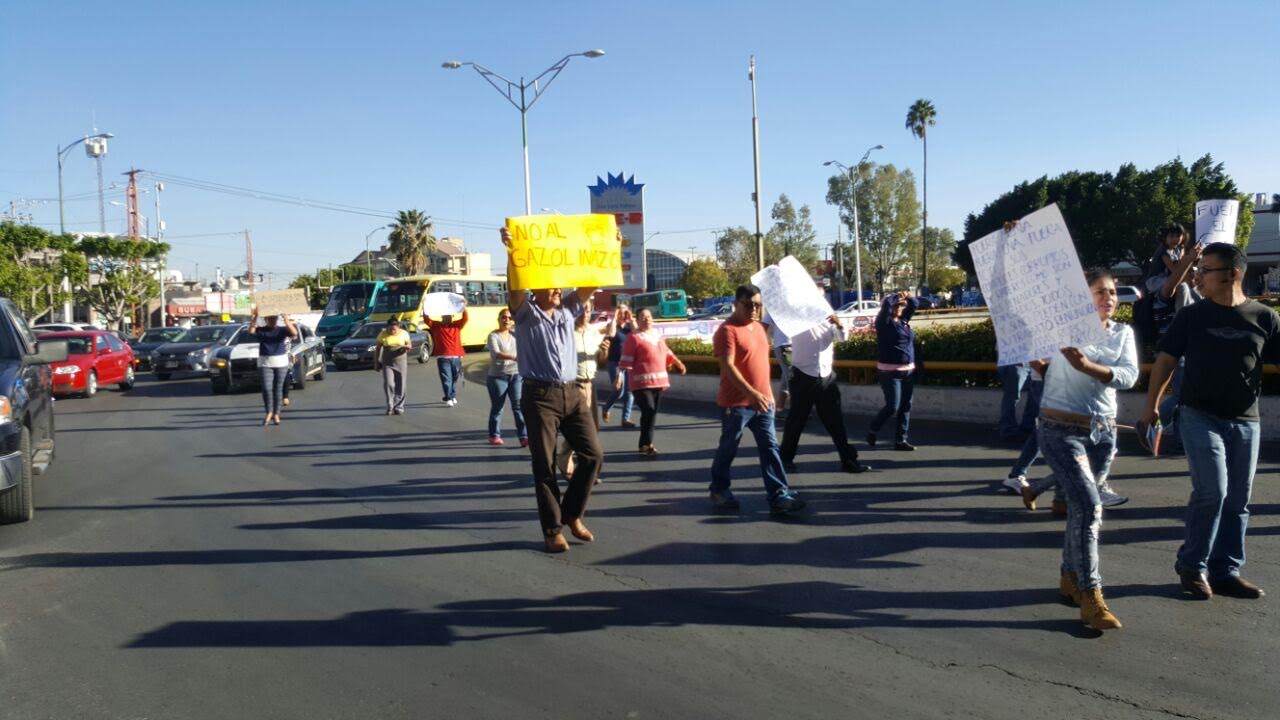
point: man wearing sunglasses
(746, 401)
(1223, 340)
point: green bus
(349, 306)
(664, 304)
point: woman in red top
(645, 359)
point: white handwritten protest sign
(439, 304)
(1216, 221)
(1035, 288)
(795, 303)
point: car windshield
(203, 335)
(399, 297)
(79, 345)
(160, 335)
(369, 331)
(348, 300)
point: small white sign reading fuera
(1216, 221)
(1035, 289)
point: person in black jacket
(896, 367)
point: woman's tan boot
(1068, 588)
(1094, 611)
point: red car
(94, 358)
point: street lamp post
(523, 89)
(164, 258)
(857, 244)
(62, 151)
(368, 259)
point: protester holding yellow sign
(556, 251)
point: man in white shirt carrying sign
(813, 384)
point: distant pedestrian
(391, 358)
(273, 359)
(446, 343)
(897, 365)
(591, 344)
(813, 384)
(504, 380)
(745, 398)
(552, 400)
(1077, 431)
(645, 360)
(1224, 340)
(624, 325)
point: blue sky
(346, 102)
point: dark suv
(26, 411)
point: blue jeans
(898, 388)
(502, 387)
(1080, 459)
(273, 380)
(1013, 378)
(732, 422)
(1030, 452)
(450, 374)
(1222, 456)
(1171, 438)
(624, 394)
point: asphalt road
(185, 562)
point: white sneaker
(1015, 484)
(1109, 497)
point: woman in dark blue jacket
(896, 367)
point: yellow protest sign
(556, 251)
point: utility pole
(164, 258)
(839, 267)
(131, 204)
(755, 149)
(251, 279)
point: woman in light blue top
(1077, 429)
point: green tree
(792, 234)
(887, 211)
(411, 240)
(736, 252)
(1114, 217)
(947, 277)
(920, 117)
(942, 246)
(126, 275)
(33, 264)
(704, 279)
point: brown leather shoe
(1029, 497)
(1094, 611)
(1059, 508)
(1235, 586)
(556, 543)
(580, 530)
(1194, 582)
(1068, 588)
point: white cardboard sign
(794, 302)
(1216, 221)
(439, 304)
(1035, 289)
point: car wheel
(129, 380)
(219, 387)
(18, 504)
(424, 354)
(163, 376)
(340, 367)
(91, 384)
(299, 378)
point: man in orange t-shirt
(741, 344)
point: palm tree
(411, 240)
(920, 117)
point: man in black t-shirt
(1224, 340)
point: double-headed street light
(517, 94)
(857, 245)
(62, 151)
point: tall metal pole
(839, 268)
(857, 244)
(524, 140)
(755, 150)
(164, 260)
(62, 220)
